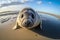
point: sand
(7, 33)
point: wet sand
(47, 33)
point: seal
(27, 18)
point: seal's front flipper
(16, 27)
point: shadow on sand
(50, 29)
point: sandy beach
(7, 33)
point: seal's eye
(22, 16)
(32, 16)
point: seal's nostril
(27, 23)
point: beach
(7, 33)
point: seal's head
(27, 18)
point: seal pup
(28, 18)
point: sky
(50, 6)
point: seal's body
(27, 18)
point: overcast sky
(51, 6)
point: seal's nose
(27, 23)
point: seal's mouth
(27, 23)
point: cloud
(24, 1)
(8, 2)
(13, 8)
(39, 2)
(12, 2)
(0, 4)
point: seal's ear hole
(32, 16)
(22, 16)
